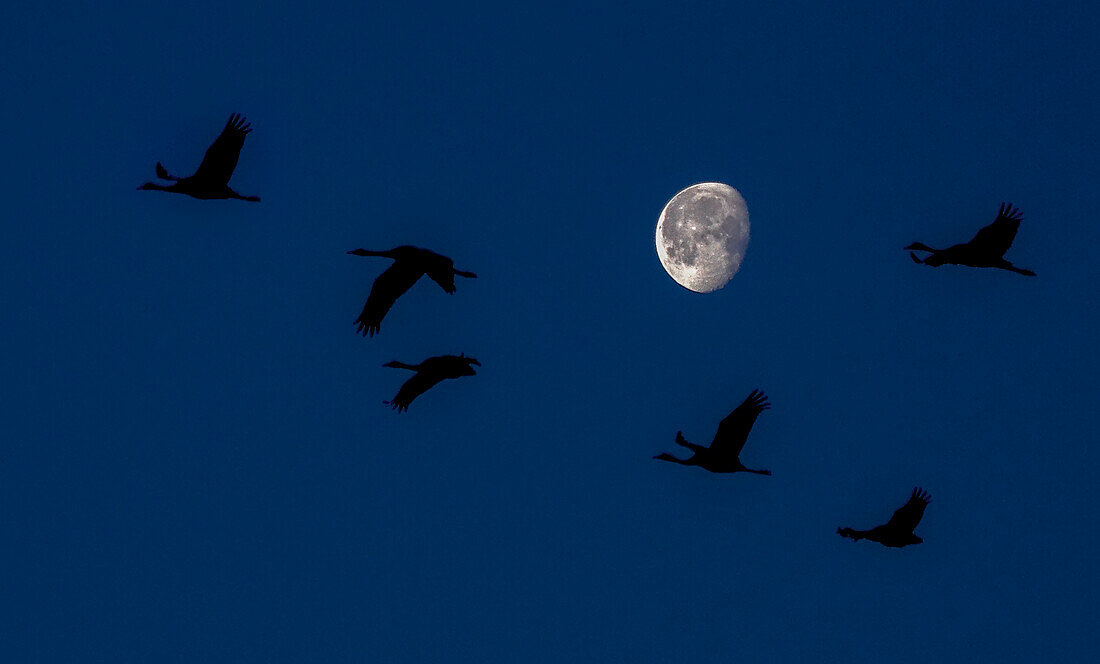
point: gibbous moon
(702, 235)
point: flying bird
(723, 455)
(898, 531)
(211, 180)
(986, 249)
(428, 373)
(410, 263)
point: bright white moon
(702, 235)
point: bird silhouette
(211, 180)
(428, 373)
(723, 455)
(986, 249)
(410, 263)
(898, 531)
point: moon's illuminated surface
(702, 235)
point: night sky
(196, 462)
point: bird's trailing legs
(162, 173)
(680, 440)
(250, 199)
(758, 472)
(919, 246)
(1005, 265)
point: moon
(702, 235)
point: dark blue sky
(197, 466)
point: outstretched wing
(995, 239)
(439, 269)
(389, 286)
(413, 387)
(733, 431)
(221, 157)
(444, 277)
(908, 515)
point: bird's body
(410, 263)
(724, 453)
(986, 249)
(898, 531)
(211, 180)
(428, 373)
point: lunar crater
(702, 235)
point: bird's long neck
(401, 365)
(920, 246)
(371, 252)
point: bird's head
(919, 246)
(150, 186)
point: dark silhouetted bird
(723, 455)
(898, 531)
(428, 373)
(410, 263)
(986, 249)
(211, 180)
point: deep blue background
(197, 466)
